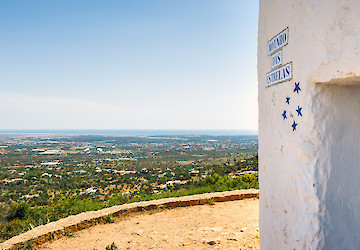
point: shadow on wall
(338, 111)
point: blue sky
(128, 64)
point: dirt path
(225, 225)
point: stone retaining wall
(62, 227)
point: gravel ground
(225, 225)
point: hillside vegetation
(20, 217)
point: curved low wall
(58, 229)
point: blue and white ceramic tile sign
(281, 74)
(278, 41)
(276, 59)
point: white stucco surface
(309, 177)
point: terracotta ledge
(73, 223)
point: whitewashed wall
(310, 177)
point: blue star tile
(299, 111)
(294, 126)
(297, 87)
(288, 100)
(284, 115)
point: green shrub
(12, 228)
(18, 210)
(112, 247)
(211, 201)
(109, 218)
(70, 235)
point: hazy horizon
(133, 132)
